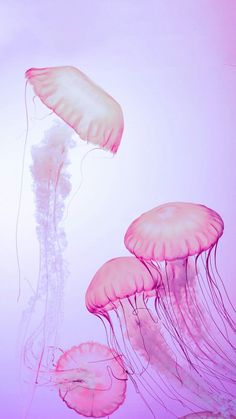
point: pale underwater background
(172, 67)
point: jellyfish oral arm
(146, 337)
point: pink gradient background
(172, 67)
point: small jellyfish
(119, 293)
(83, 105)
(91, 379)
(178, 242)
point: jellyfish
(79, 102)
(91, 379)
(178, 242)
(119, 293)
(97, 118)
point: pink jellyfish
(119, 293)
(83, 105)
(91, 379)
(177, 242)
(97, 118)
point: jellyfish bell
(179, 241)
(83, 105)
(174, 231)
(117, 279)
(91, 379)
